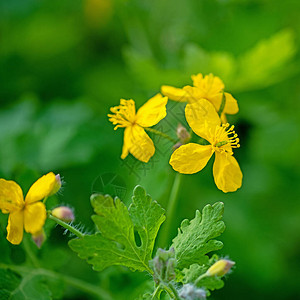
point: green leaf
(115, 244)
(196, 237)
(266, 63)
(29, 287)
(222, 64)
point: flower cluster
(205, 112)
(208, 87)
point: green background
(63, 64)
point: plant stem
(76, 283)
(85, 287)
(176, 296)
(161, 134)
(199, 278)
(165, 235)
(222, 106)
(155, 293)
(67, 226)
(169, 288)
(29, 253)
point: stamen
(232, 137)
(123, 115)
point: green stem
(155, 293)
(161, 134)
(86, 287)
(199, 278)
(222, 106)
(165, 234)
(74, 282)
(29, 253)
(176, 296)
(67, 226)
(170, 289)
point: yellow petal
(193, 94)
(152, 111)
(42, 188)
(216, 100)
(231, 106)
(11, 196)
(227, 173)
(175, 94)
(34, 217)
(210, 84)
(127, 140)
(15, 227)
(190, 158)
(142, 146)
(138, 143)
(223, 118)
(202, 118)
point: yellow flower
(136, 140)
(29, 214)
(192, 158)
(209, 87)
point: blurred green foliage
(63, 64)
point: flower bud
(220, 268)
(191, 292)
(39, 238)
(57, 185)
(183, 134)
(163, 265)
(63, 213)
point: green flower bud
(163, 265)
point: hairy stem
(170, 289)
(156, 292)
(66, 225)
(171, 208)
(161, 134)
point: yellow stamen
(226, 135)
(123, 115)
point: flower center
(225, 135)
(123, 115)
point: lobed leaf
(196, 237)
(115, 243)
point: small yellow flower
(192, 158)
(209, 87)
(29, 214)
(136, 140)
